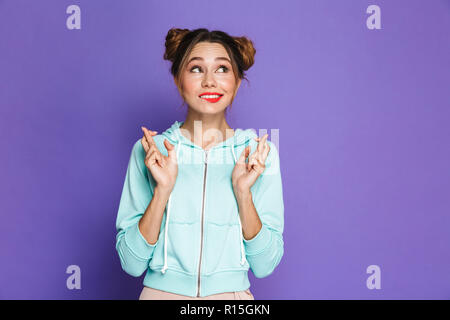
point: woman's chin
(210, 108)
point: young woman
(202, 203)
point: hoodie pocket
(222, 249)
(182, 246)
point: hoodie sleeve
(265, 250)
(133, 249)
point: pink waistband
(155, 294)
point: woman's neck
(206, 130)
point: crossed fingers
(153, 154)
(258, 158)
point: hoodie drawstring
(243, 259)
(166, 227)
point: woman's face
(208, 70)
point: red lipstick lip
(212, 100)
(210, 93)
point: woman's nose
(209, 80)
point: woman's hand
(164, 169)
(245, 174)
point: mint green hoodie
(200, 250)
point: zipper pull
(206, 156)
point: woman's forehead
(208, 50)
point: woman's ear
(178, 87)
(238, 84)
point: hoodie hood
(240, 137)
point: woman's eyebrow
(201, 59)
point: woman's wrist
(242, 194)
(163, 190)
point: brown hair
(180, 42)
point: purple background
(363, 118)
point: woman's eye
(225, 68)
(221, 67)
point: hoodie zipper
(203, 210)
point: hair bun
(173, 39)
(247, 51)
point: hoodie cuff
(137, 243)
(259, 242)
